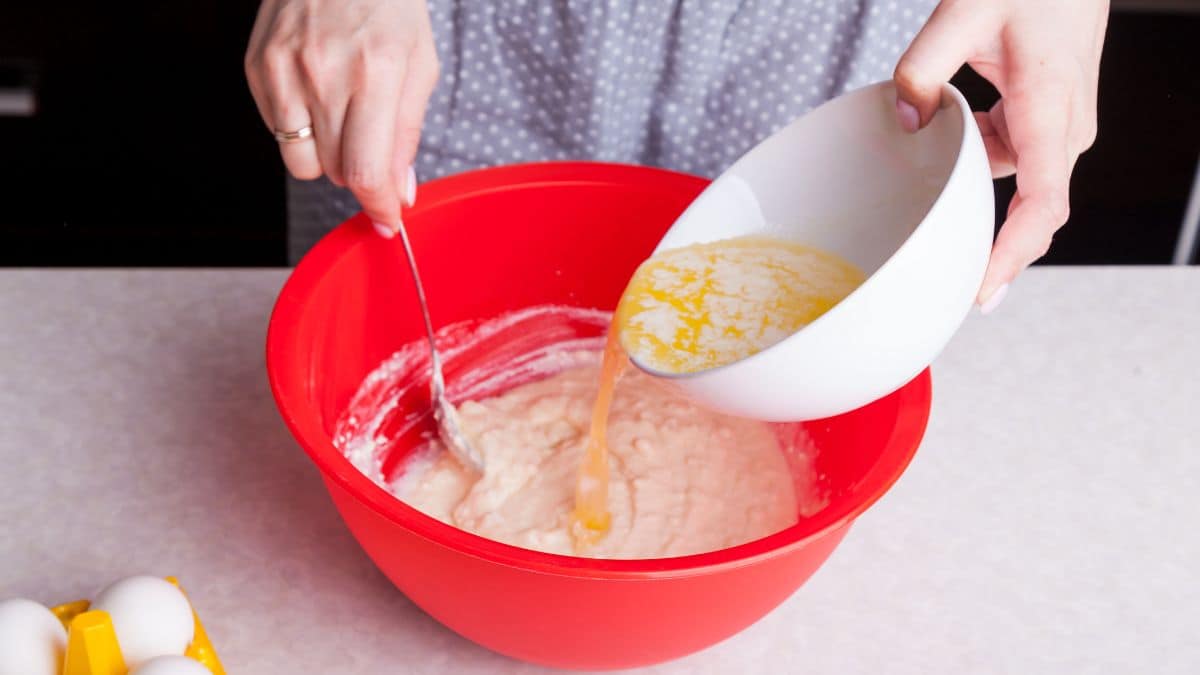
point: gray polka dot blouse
(688, 85)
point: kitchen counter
(1050, 522)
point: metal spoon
(444, 413)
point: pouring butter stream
(699, 307)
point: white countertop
(1050, 522)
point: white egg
(32, 639)
(150, 616)
(171, 665)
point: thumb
(943, 45)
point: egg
(32, 639)
(151, 618)
(171, 665)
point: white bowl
(913, 211)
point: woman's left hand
(1044, 58)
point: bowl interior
(504, 239)
(845, 177)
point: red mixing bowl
(501, 239)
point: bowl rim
(913, 400)
(951, 98)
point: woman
(352, 87)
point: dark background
(146, 149)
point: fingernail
(410, 187)
(909, 118)
(384, 231)
(993, 301)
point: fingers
(419, 82)
(420, 77)
(1044, 59)
(1000, 157)
(289, 111)
(253, 59)
(1037, 112)
(950, 37)
(275, 82)
(360, 79)
(1083, 118)
(327, 84)
(328, 138)
(370, 139)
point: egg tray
(92, 647)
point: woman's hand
(360, 73)
(1044, 58)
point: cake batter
(683, 479)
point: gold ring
(301, 134)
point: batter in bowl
(683, 479)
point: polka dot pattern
(688, 85)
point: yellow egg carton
(92, 643)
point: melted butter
(590, 520)
(699, 307)
(707, 305)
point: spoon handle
(434, 361)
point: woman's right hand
(360, 72)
